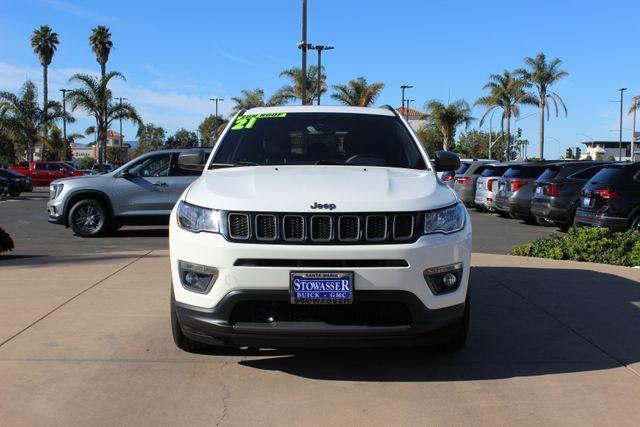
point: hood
(80, 179)
(297, 188)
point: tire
(456, 339)
(15, 194)
(89, 218)
(635, 225)
(181, 341)
(503, 214)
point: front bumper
(207, 315)
(214, 326)
(586, 218)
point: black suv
(611, 198)
(557, 191)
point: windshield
(494, 171)
(462, 168)
(524, 172)
(318, 138)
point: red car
(43, 173)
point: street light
(320, 48)
(64, 118)
(216, 100)
(622, 89)
(403, 87)
(304, 45)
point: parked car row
(560, 193)
(16, 183)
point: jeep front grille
(328, 229)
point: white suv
(319, 226)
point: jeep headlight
(196, 219)
(446, 220)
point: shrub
(6, 243)
(587, 244)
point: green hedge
(587, 244)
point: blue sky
(177, 55)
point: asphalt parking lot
(24, 218)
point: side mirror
(194, 160)
(446, 161)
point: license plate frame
(321, 287)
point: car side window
(152, 166)
(178, 171)
(586, 174)
(41, 166)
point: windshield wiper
(232, 165)
(328, 162)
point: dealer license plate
(587, 202)
(321, 287)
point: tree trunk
(45, 100)
(541, 129)
(508, 135)
(445, 141)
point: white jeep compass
(319, 226)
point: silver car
(487, 186)
(141, 192)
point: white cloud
(165, 105)
(75, 10)
(235, 58)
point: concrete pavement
(86, 341)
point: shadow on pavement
(525, 322)
(140, 232)
(46, 260)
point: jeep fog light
(444, 279)
(196, 277)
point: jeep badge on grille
(316, 205)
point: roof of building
(410, 112)
(606, 143)
(113, 133)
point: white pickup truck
(319, 226)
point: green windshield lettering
(247, 121)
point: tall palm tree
(95, 98)
(252, 98)
(448, 117)
(635, 104)
(357, 92)
(101, 45)
(506, 92)
(293, 91)
(542, 75)
(24, 119)
(44, 43)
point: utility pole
(304, 46)
(403, 87)
(620, 133)
(64, 120)
(408, 101)
(216, 100)
(320, 48)
(120, 99)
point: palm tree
(44, 43)
(95, 98)
(293, 91)
(101, 45)
(252, 98)
(24, 119)
(635, 106)
(446, 118)
(506, 92)
(542, 75)
(357, 92)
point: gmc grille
(330, 228)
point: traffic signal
(519, 133)
(578, 152)
(568, 154)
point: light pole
(320, 48)
(408, 101)
(302, 44)
(216, 100)
(403, 87)
(636, 105)
(121, 135)
(620, 133)
(64, 119)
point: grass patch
(587, 244)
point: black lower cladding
(267, 319)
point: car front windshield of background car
(319, 138)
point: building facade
(608, 150)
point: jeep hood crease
(296, 188)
